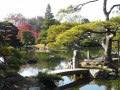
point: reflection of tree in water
(28, 55)
(23, 67)
(65, 54)
(50, 60)
(109, 84)
(50, 63)
(54, 58)
(75, 85)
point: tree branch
(86, 3)
(113, 7)
(95, 31)
(81, 5)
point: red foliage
(25, 26)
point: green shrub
(48, 79)
(14, 52)
(2, 66)
(14, 63)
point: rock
(18, 82)
(32, 61)
(13, 77)
(31, 88)
(91, 63)
(98, 73)
(112, 74)
(85, 64)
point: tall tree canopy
(55, 30)
(48, 19)
(47, 22)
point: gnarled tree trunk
(107, 43)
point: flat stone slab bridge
(65, 72)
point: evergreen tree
(48, 18)
(27, 37)
(47, 22)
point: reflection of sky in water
(27, 70)
(62, 65)
(32, 71)
(93, 87)
(66, 81)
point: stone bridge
(76, 71)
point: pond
(59, 60)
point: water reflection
(59, 61)
(71, 82)
(32, 70)
(62, 65)
(66, 79)
(27, 70)
(83, 84)
(93, 87)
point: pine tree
(48, 18)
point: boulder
(32, 61)
(98, 73)
(13, 77)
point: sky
(34, 8)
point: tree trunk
(107, 45)
(108, 40)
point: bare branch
(113, 7)
(81, 5)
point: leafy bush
(48, 79)
(14, 52)
(12, 57)
(4, 51)
(2, 66)
(14, 63)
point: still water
(59, 60)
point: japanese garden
(62, 52)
